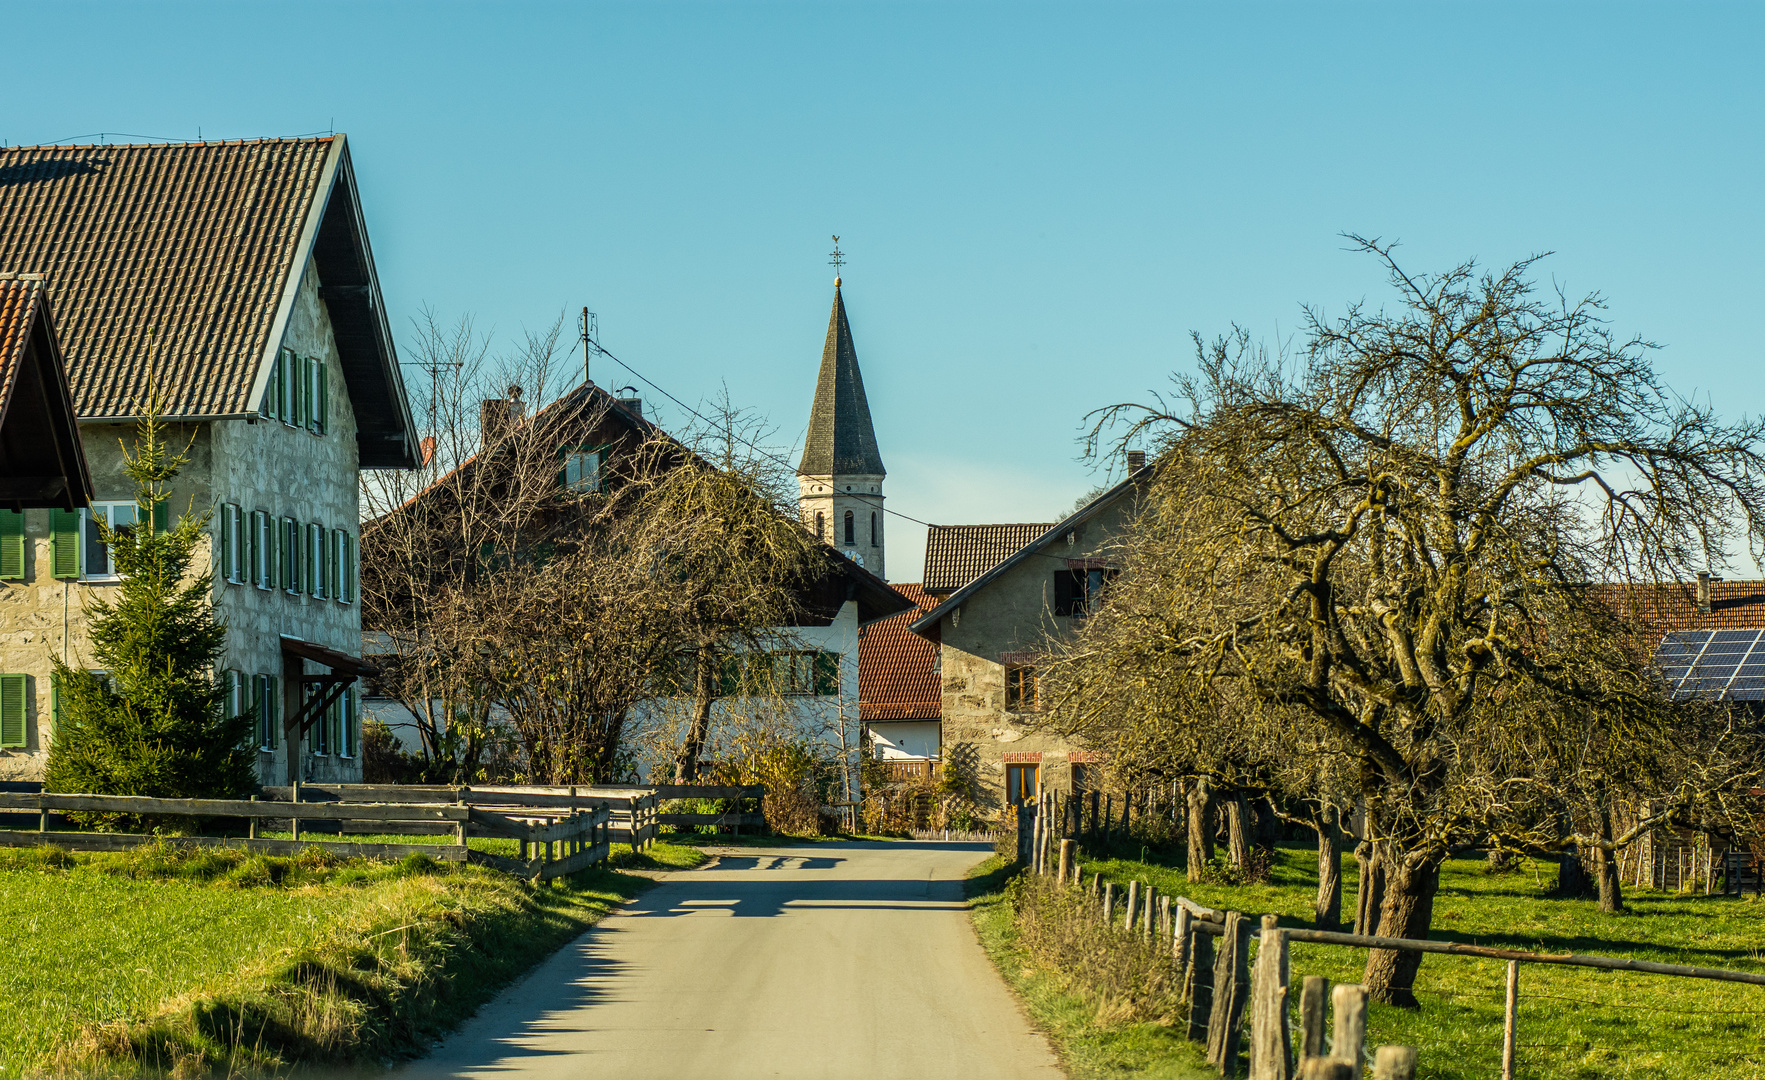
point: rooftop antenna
(836, 262)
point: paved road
(850, 960)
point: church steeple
(840, 476)
(841, 439)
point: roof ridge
(168, 145)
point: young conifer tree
(155, 724)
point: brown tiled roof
(42, 462)
(1653, 611)
(895, 676)
(957, 554)
(172, 255)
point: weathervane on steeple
(836, 262)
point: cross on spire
(837, 261)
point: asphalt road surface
(826, 960)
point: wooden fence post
(1394, 1063)
(1164, 918)
(1148, 906)
(1350, 1005)
(1066, 866)
(1327, 1069)
(1180, 948)
(1109, 903)
(1198, 980)
(1509, 1026)
(1132, 906)
(1231, 989)
(1270, 1048)
(1314, 1003)
(294, 796)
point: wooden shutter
(64, 543)
(229, 531)
(351, 580)
(273, 710)
(1063, 592)
(162, 517)
(12, 545)
(352, 721)
(12, 710)
(334, 563)
(323, 413)
(827, 673)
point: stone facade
(256, 464)
(1001, 626)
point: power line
(762, 451)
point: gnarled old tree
(1386, 551)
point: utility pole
(590, 330)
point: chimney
(632, 405)
(1703, 592)
(1136, 461)
(498, 416)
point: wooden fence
(552, 841)
(1219, 985)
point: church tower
(839, 480)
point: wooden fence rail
(1210, 952)
(552, 841)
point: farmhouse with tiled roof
(234, 281)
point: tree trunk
(1328, 909)
(1407, 912)
(1606, 866)
(1200, 828)
(686, 762)
(1238, 829)
(1369, 890)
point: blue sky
(1039, 202)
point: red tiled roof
(1658, 610)
(957, 554)
(895, 676)
(175, 255)
(18, 310)
(42, 462)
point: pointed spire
(841, 440)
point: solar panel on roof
(1713, 664)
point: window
(12, 545)
(820, 525)
(851, 534)
(1020, 783)
(95, 562)
(318, 573)
(1084, 778)
(1020, 688)
(267, 705)
(321, 741)
(350, 737)
(582, 469)
(1078, 592)
(232, 566)
(293, 558)
(874, 535)
(344, 581)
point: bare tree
(1386, 548)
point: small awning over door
(344, 671)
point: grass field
(175, 959)
(1573, 1022)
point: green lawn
(1573, 1022)
(352, 959)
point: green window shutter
(12, 545)
(324, 397)
(273, 687)
(334, 543)
(352, 720)
(229, 536)
(64, 543)
(827, 673)
(12, 710)
(162, 517)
